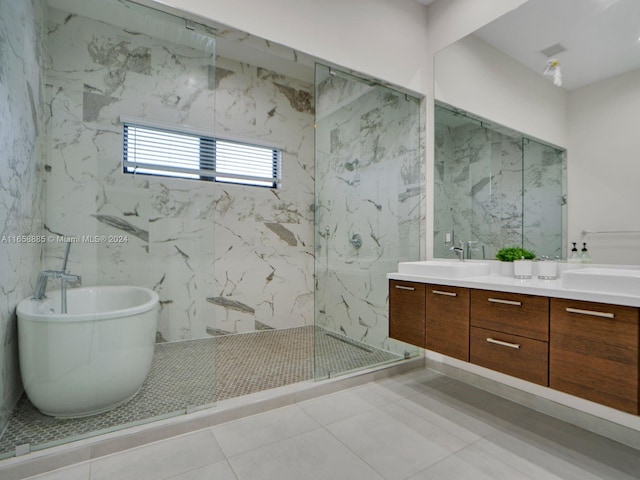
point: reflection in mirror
(498, 74)
(494, 186)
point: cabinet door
(594, 352)
(407, 312)
(514, 313)
(448, 320)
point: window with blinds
(159, 151)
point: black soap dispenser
(584, 255)
(574, 255)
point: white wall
(450, 20)
(604, 167)
(474, 76)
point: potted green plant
(516, 258)
(509, 254)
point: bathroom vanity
(584, 343)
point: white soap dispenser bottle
(584, 255)
(574, 255)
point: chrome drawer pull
(448, 294)
(590, 312)
(504, 344)
(505, 302)
(402, 287)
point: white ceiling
(601, 37)
(425, 2)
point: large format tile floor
(416, 426)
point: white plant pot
(548, 270)
(522, 268)
(506, 269)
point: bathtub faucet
(67, 279)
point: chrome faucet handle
(70, 278)
(41, 283)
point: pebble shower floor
(196, 373)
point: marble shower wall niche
(368, 180)
(481, 175)
(22, 143)
(214, 252)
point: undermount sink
(448, 269)
(610, 280)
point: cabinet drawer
(517, 356)
(523, 315)
(407, 312)
(594, 352)
(448, 320)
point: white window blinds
(160, 151)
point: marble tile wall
(368, 187)
(479, 188)
(221, 257)
(264, 237)
(22, 142)
(480, 176)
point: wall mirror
(495, 77)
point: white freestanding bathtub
(91, 359)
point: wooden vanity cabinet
(587, 349)
(594, 352)
(510, 334)
(447, 320)
(407, 312)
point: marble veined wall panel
(22, 146)
(264, 237)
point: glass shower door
(367, 216)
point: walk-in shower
(258, 287)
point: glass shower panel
(542, 198)
(108, 60)
(367, 217)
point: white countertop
(534, 286)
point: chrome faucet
(459, 251)
(66, 279)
